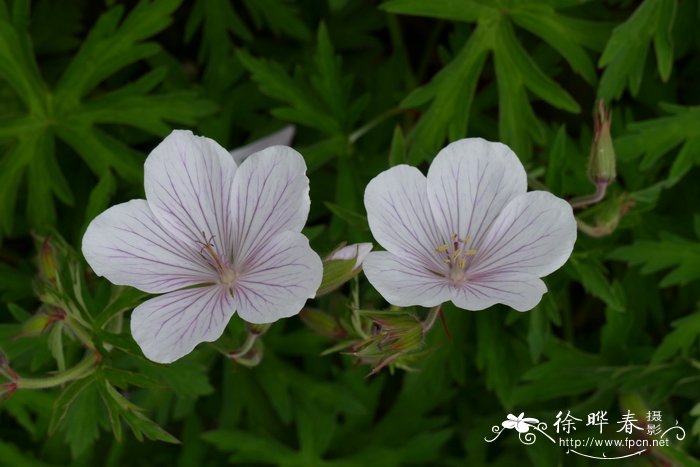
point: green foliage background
(88, 88)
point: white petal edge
(270, 195)
(169, 326)
(404, 283)
(534, 234)
(470, 181)
(521, 292)
(400, 216)
(128, 246)
(278, 280)
(282, 137)
(188, 182)
(356, 251)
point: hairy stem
(79, 371)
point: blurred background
(88, 88)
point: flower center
(455, 255)
(228, 277)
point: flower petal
(508, 424)
(522, 427)
(278, 279)
(534, 234)
(400, 216)
(188, 181)
(517, 290)
(271, 195)
(469, 182)
(404, 283)
(356, 251)
(282, 137)
(169, 326)
(128, 246)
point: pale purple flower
(214, 238)
(282, 137)
(469, 232)
(521, 423)
(356, 251)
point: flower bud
(35, 325)
(601, 165)
(47, 260)
(321, 323)
(395, 336)
(342, 265)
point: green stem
(245, 348)
(79, 371)
(360, 132)
(582, 201)
(79, 332)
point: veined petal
(282, 137)
(400, 216)
(517, 290)
(188, 183)
(169, 326)
(404, 283)
(128, 246)
(271, 195)
(278, 280)
(534, 234)
(469, 182)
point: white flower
(469, 232)
(522, 425)
(214, 238)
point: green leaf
(111, 46)
(682, 340)
(452, 10)
(81, 420)
(591, 273)
(249, 447)
(568, 36)
(143, 426)
(56, 345)
(657, 137)
(670, 252)
(397, 150)
(451, 92)
(281, 16)
(354, 219)
(335, 273)
(70, 113)
(66, 400)
(303, 107)
(626, 51)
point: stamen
(456, 256)
(442, 248)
